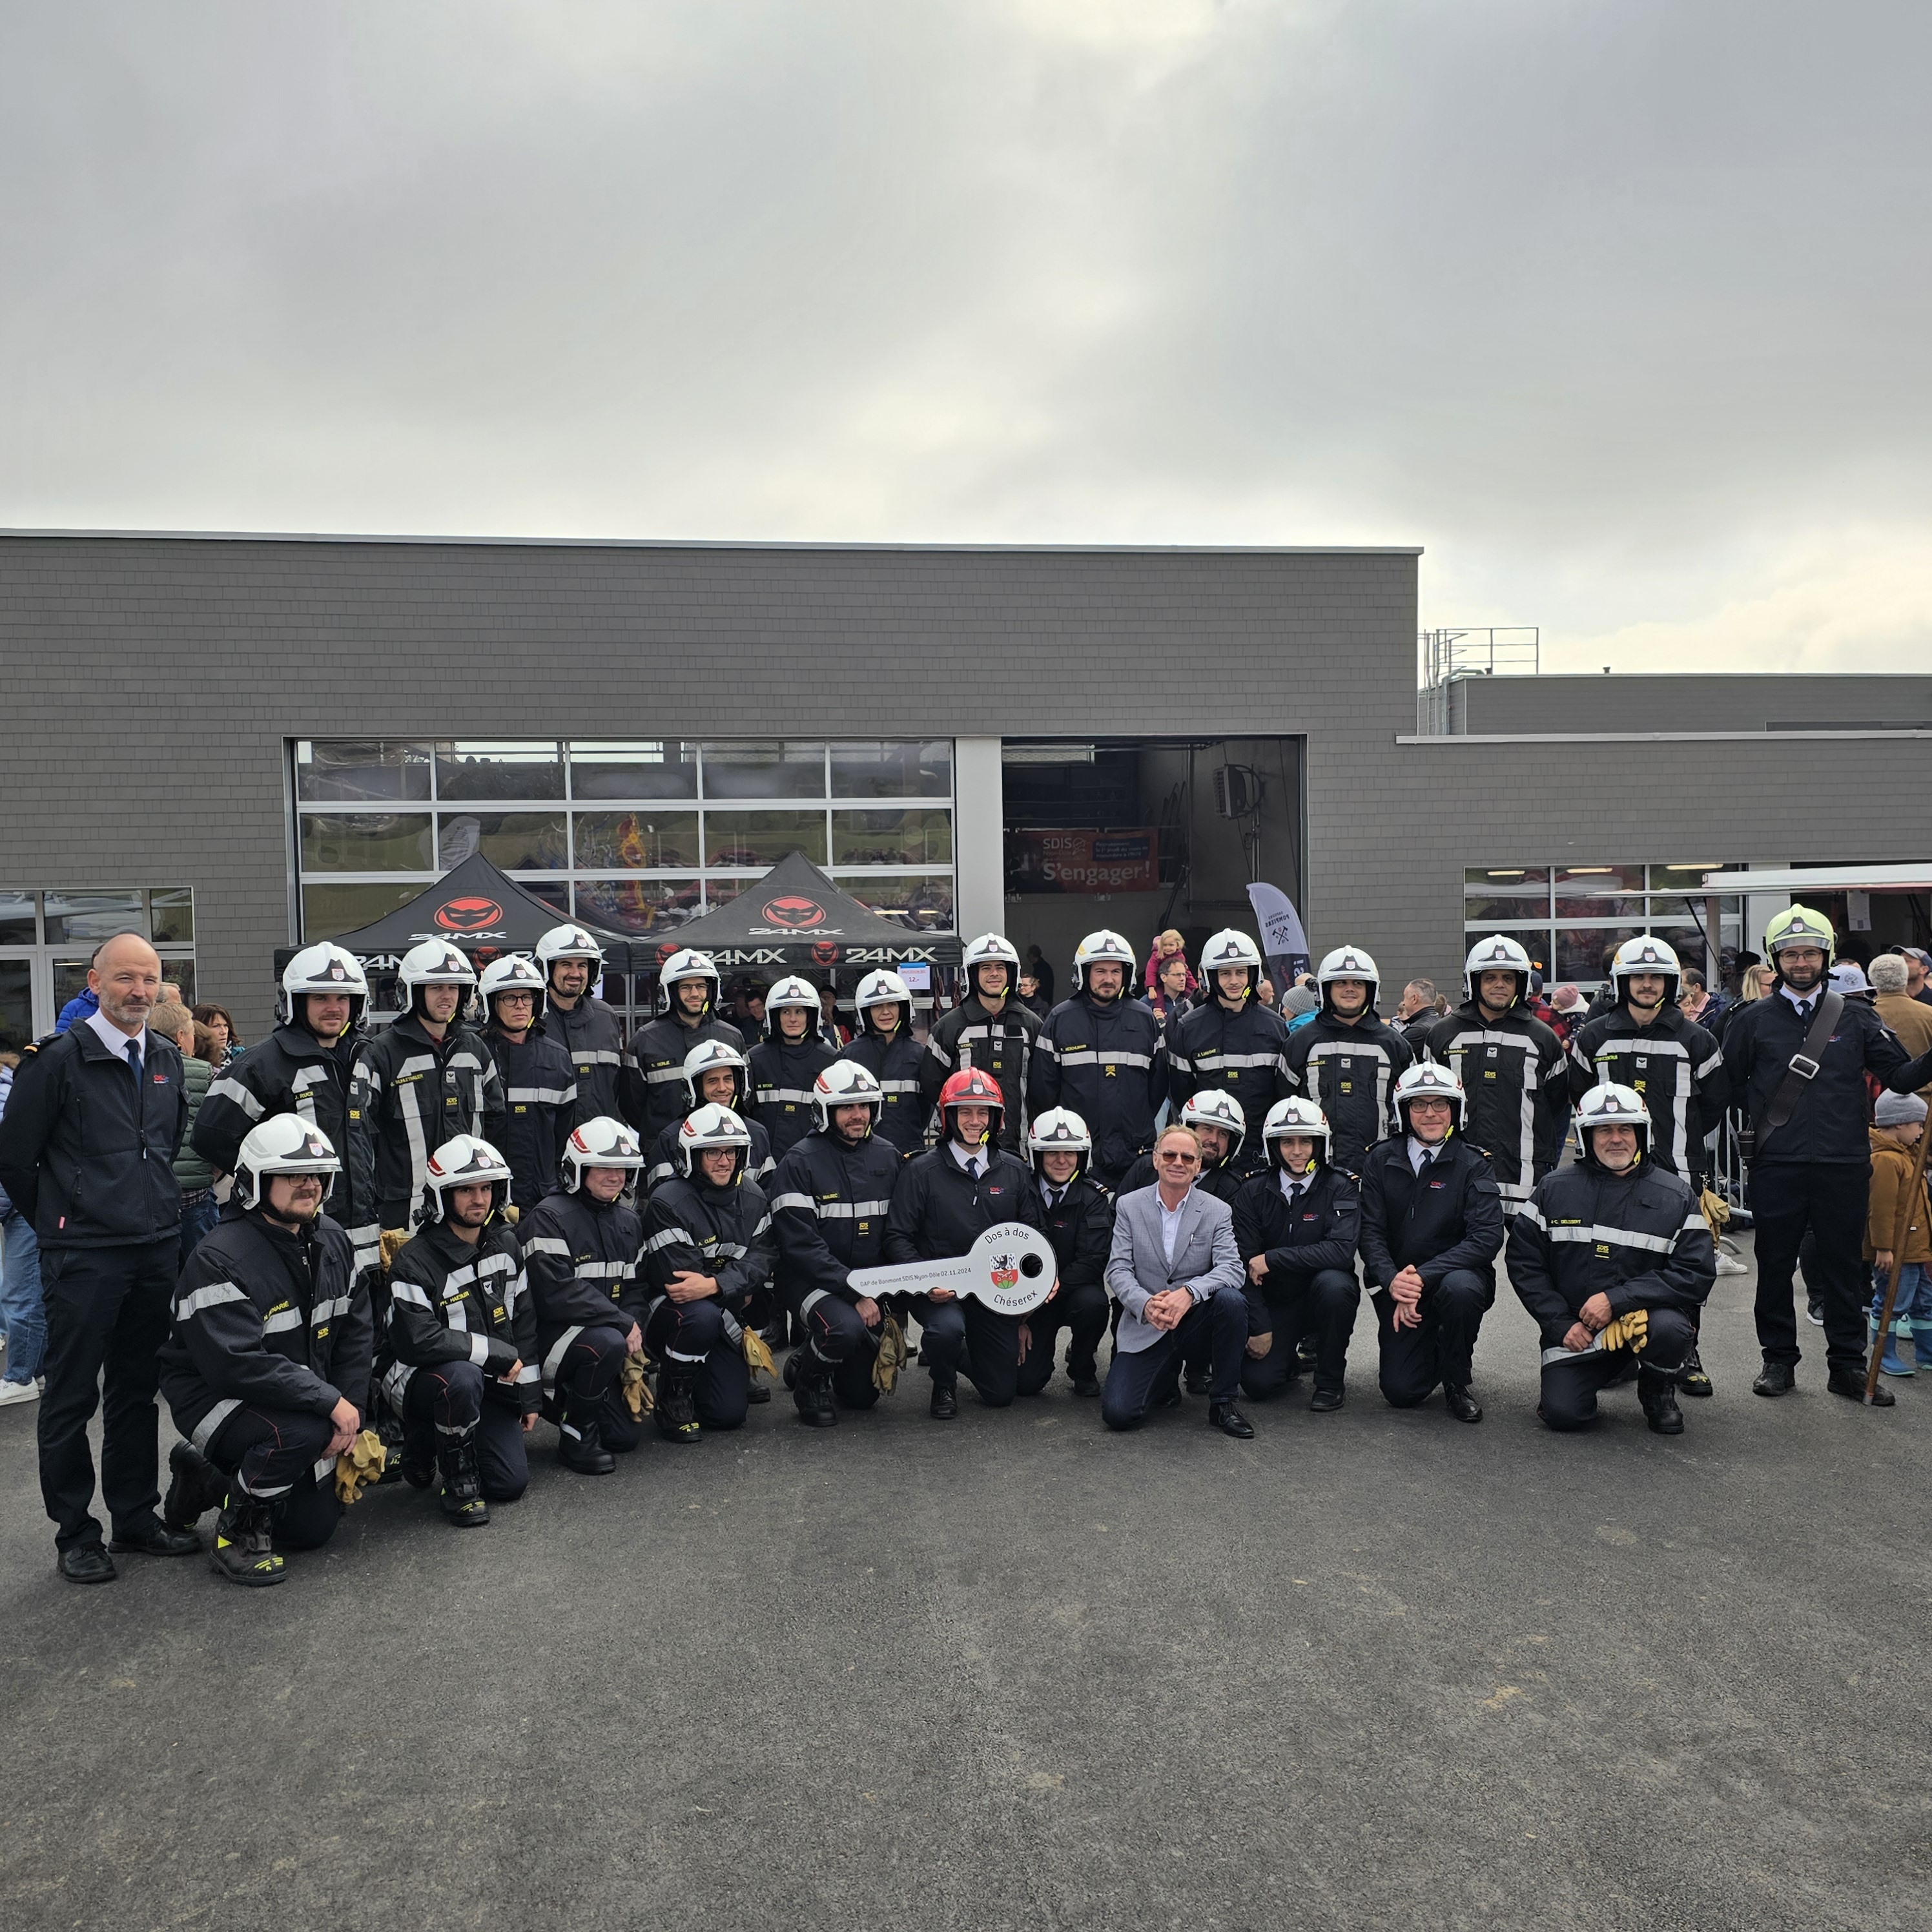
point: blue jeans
(198, 1218)
(1913, 1308)
(21, 1312)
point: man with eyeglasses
(1176, 1271)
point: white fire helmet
(797, 993)
(322, 969)
(570, 942)
(1210, 1108)
(687, 963)
(1229, 947)
(883, 988)
(1296, 1115)
(845, 1083)
(1612, 1105)
(435, 962)
(1429, 1080)
(465, 1161)
(705, 1057)
(1098, 947)
(1059, 1130)
(709, 1127)
(1646, 953)
(599, 1142)
(1348, 962)
(283, 1143)
(513, 973)
(1499, 953)
(990, 948)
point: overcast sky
(1621, 307)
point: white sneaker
(19, 1392)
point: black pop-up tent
(795, 916)
(473, 906)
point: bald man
(87, 1152)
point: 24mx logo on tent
(472, 915)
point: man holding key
(942, 1202)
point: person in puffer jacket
(583, 1257)
(708, 1251)
(459, 1361)
(1613, 1259)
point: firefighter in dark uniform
(1347, 1059)
(687, 1015)
(885, 1047)
(1810, 1147)
(1216, 1117)
(942, 1202)
(1296, 1227)
(582, 1254)
(1231, 1042)
(1645, 1042)
(602, 1068)
(87, 1152)
(785, 1062)
(1079, 1216)
(1101, 1053)
(459, 1363)
(715, 1074)
(829, 1200)
(1613, 1260)
(302, 1068)
(1510, 1068)
(423, 1080)
(1432, 1226)
(539, 1083)
(708, 1251)
(990, 1029)
(270, 1348)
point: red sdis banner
(1062, 860)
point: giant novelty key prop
(1010, 1267)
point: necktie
(134, 1063)
(973, 1167)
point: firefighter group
(498, 1209)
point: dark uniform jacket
(692, 1227)
(1512, 1074)
(1675, 1064)
(449, 1302)
(896, 1064)
(86, 1158)
(1448, 1216)
(1001, 1047)
(1829, 1125)
(1080, 1225)
(759, 1165)
(1348, 1071)
(1243, 1054)
(539, 1109)
(1637, 1237)
(939, 1210)
(781, 1077)
(583, 1265)
(1319, 1231)
(291, 1072)
(1224, 1180)
(273, 1319)
(658, 1050)
(603, 1073)
(829, 1207)
(1106, 1060)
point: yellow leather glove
(757, 1356)
(359, 1467)
(513, 1214)
(1629, 1331)
(891, 1356)
(1716, 1210)
(635, 1384)
(390, 1243)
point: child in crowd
(1901, 1121)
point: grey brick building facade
(153, 686)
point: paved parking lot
(1371, 1668)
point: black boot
(462, 1496)
(677, 1409)
(811, 1392)
(1694, 1381)
(579, 1442)
(1197, 1380)
(1460, 1403)
(418, 1460)
(244, 1548)
(1852, 1382)
(945, 1399)
(794, 1363)
(1774, 1379)
(1658, 1396)
(196, 1487)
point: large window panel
(636, 768)
(348, 771)
(16, 1003)
(1580, 948)
(1599, 892)
(367, 841)
(748, 840)
(608, 841)
(922, 902)
(18, 926)
(1503, 892)
(638, 905)
(892, 837)
(481, 769)
(517, 841)
(893, 768)
(93, 917)
(767, 768)
(172, 908)
(330, 910)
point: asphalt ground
(1371, 1668)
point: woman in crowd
(225, 1044)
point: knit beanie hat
(1895, 1110)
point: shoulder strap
(1804, 1067)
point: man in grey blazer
(1176, 1272)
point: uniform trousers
(449, 1401)
(272, 1454)
(582, 1367)
(837, 1342)
(1323, 1304)
(1570, 1381)
(1082, 1312)
(1414, 1361)
(964, 1337)
(689, 1337)
(1828, 1200)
